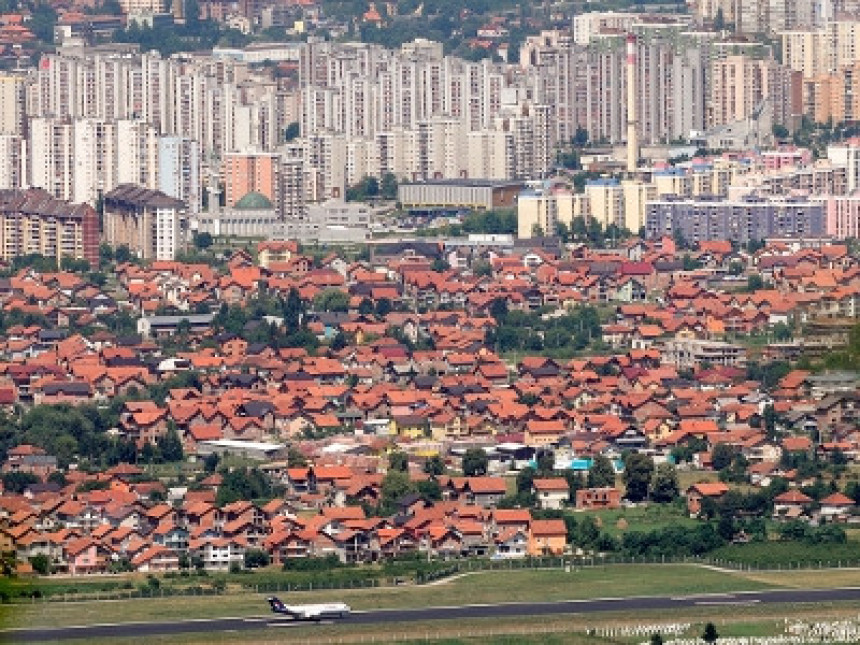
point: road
(382, 616)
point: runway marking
(285, 623)
(752, 601)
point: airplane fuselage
(312, 612)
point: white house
(551, 493)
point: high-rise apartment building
(822, 50)
(179, 173)
(670, 91)
(13, 161)
(13, 104)
(741, 85)
(51, 156)
(246, 172)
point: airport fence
(111, 588)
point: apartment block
(541, 210)
(741, 85)
(13, 161)
(153, 225)
(246, 172)
(606, 201)
(33, 221)
(179, 170)
(833, 97)
(822, 50)
(13, 104)
(742, 220)
(846, 155)
(842, 216)
(456, 195)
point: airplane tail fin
(275, 604)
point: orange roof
(558, 484)
(710, 489)
(549, 528)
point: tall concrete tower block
(632, 125)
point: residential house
(591, 498)
(696, 493)
(551, 493)
(547, 537)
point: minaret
(632, 136)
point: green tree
(430, 490)
(482, 268)
(755, 282)
(365, 307)
(203, 241)
(41, 564)
(656, 639)
(398, 460)
(440, 265)
(170, 445)
(339, 341)
(434, 466)
(256, 558)
(710, 634)
(665, 488)
(295, 458)
(602, 473)
(58, 477)
(210, 462)
(545, 464)
(17, 482)
(388, 187)
(395, 485)
(43, 19)
(575, 482)
(243, 484)
(331, 300)
(475, 462)
(722, 456)
(292, 131)
(525, 480)
(638, 472)
(383, 308)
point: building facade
(33, 221)
(743, 220)
(154, 226)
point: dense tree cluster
(244, 484)
(69, 432)
(520, 331)
(248, 322)
(194, 35)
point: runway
(382, 616)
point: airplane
(310, 612)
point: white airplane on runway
(310, 612)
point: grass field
(570, 628)
(640, 518)
(484, 587)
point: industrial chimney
(632, 137)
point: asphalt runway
(137, 631)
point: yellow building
(636, 195)
(606, 201)
(541, 210)
(410, 426)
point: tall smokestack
(632, 138)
